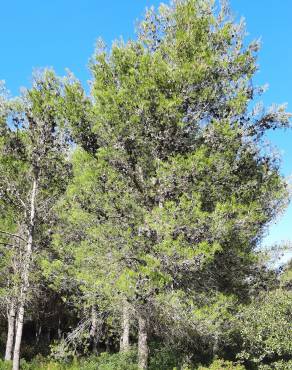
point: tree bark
(143, 350)
(216, 345)
(38, 332)
(25, 278)
(10, 332)
(59, 328)
(18, 336)
(93, 330)
(125, 337)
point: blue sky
(62, 34)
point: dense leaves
(145, 203)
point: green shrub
(279, 365)
(266, 328)
(223, 365)
(163, 357)
(105, 361)
(4, 365)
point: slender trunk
(20, 314)
(143, 350)
(10, 332)
(107, 345)
(59, 328)
(49, 336)
(18, 336)
(216, 345)
(125, 338)
(25, 279)
(93, 330)
(38, 332)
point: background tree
(33, 174)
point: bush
(105, 361)
(279, 365)
(163, 357)
(117, 361)
(266, 328)
(221, 365)
(4, 365)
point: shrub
(163, 358)
(4, 365)
(266, 328)
(221, 365)
(117, 361)
(105, 361)
(279, 365)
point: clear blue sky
(62, 33)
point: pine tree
(172, 191)
(174, 108)
(33, 175)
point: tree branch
(13, 235)
(7, 244)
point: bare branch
(7, 244)
(13, 235)
(12, 190)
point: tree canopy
(132, 216)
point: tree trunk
(38, 332)
(143, 350)
(18, 336)
(125, 337)
(93, 330)
(48, 335)
(22, 301)
(216, 345)
(59, 328)
(25, 279)
(10, 332)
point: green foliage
(162, 360)
(105, 361)
(164, 357)
(171, 191)
(160, 204)
(5, 365)
(279, 365)
(119, 361)
(266, 328)
(221, 364)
